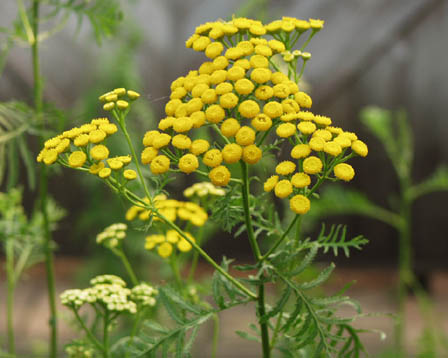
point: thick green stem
(106, 334)
(261, 309)
(405, 275)
(247, 218)
(11, 282)
(49, 259)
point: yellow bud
(132, 95)
(109, 106)
(122, 104)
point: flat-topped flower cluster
(244, 97)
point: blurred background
(390, 54)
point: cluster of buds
(112, 235)
(110, 292)
(203, 189)
(119, 99)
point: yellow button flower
(343, 141)
(99, 152)
(244, 86)
(183, 245)
(236, 73)
(312, 165)
(130, 174)
(263, 50)
(194, 105)
(324, 134)
(161, 140)
(104, 173)
(188, 163)
(209, 96)
(344, 171)
(199, 146)
(220, 63)
(360, 148)
(223, 88)
(281, 90)
(212, 158)
(149, 137)
(322, 120)
(180, 125)
(303, 99)
(285, 168)
(277, 46)
(283, 189)
(299, 204)
(290, 106)
(279, 77)
(148, 154)
(261, 75)
(96, 168)
(300, 180)
(259, 61)
(82, 140)
(261, 122)
(77, 159)
(245, 136)
(122, 104)
(220, 176)
(234, 53)
(201, 43)
(115, 164)
(231, 153)
(249, 108)
(97, 136)
(230, 127)
(273, 109)
(300, 151)
(317, 144)
(214, 50)
(165, 250)
(252, 154)
(198, 118)
(108, 128)
(215, 113)
(306, 127)
(228, 100)
(160, 164)
(246, 47)
(332, 148)
(286, 130)
(244, 63)
(181, 141)
(270, 183)
(264, 92)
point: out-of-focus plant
(394, 133)
(252, 110)
(22, 240)
(37, 21)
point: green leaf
(438, 181)
(323, 276)
(170, 307)
(249, 337)
(279, 305)
(307, 260)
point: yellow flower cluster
(84, 147)
(118, 99)
(170, 209)
(165, 243)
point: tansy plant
(252, 110)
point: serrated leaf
(321, 278)
(170, 308)
(248, 336)
(279, 305)
(307, 260)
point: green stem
(49, 259)
(313, 32)
(207, 258)
(122, 123)
(194, 261)
(247, 218)
(106, 334)
(261, 309)
(89, 333)
(276, 330)
(405, 275)
(175, 269)
(120, 253)
(215, 335)
(11, 282)
(280, 240)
